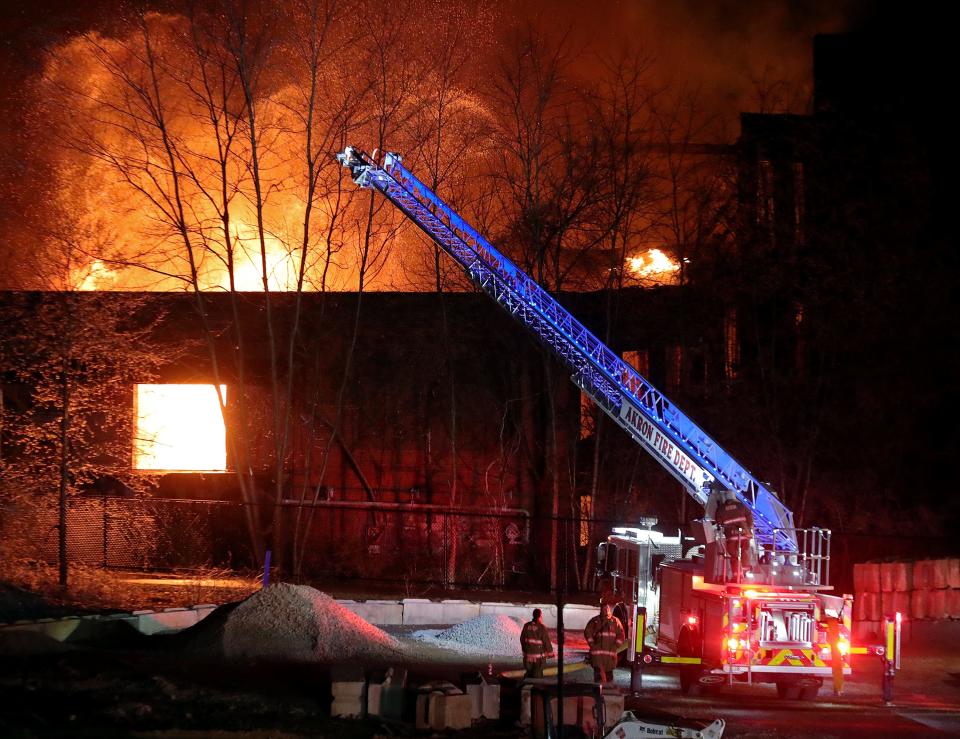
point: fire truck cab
(627, 565)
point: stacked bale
(927, 589)
(867, 601)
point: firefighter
(536, 645)
(604, 634)
(736, 522)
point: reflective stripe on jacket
(535, 642)
(603, 637)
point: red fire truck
(727, 611)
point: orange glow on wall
(179, 427)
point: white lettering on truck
(660, 445)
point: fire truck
(724, 611)
(749, 603)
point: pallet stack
(924, 590)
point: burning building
(430, 431)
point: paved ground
(926, 697)
(928, 707)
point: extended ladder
(674, 440)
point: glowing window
(586, 517)
(588, 423)
(179, 427)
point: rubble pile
(295, 622)
(488, 634)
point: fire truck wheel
(809, 693)
(788, 690)
(690, 681)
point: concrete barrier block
(347, 689)
(521, 612)
(375, 611)
(549, 613)
(449, 712)
(490, 706)
(62, 629)
(612, 708)
(587, 717)
(374, 693)
(526, 710)
(346, 674)
(203, 611)
(576, 616)
(922, 575)
(164, 621)
(393, 701)
(423, 717)
(347, 708)
(458, 611)
(420, 611)
(573, 713)
(385, 612)
(475, 692)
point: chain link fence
(345, 541)
(392, 544)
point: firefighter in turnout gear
(536, 645)
(604, 635)
(735, 522)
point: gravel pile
(295, 622)
(489, 634)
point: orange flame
(98, 277)
(655, 267)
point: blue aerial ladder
(651, 419)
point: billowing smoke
(193, 150)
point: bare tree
(623, 111)
(543, 160)
(193, 116)
(79, 354)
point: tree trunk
(64, 478)
(64, 482)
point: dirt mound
(292, 622)
(494, 634)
